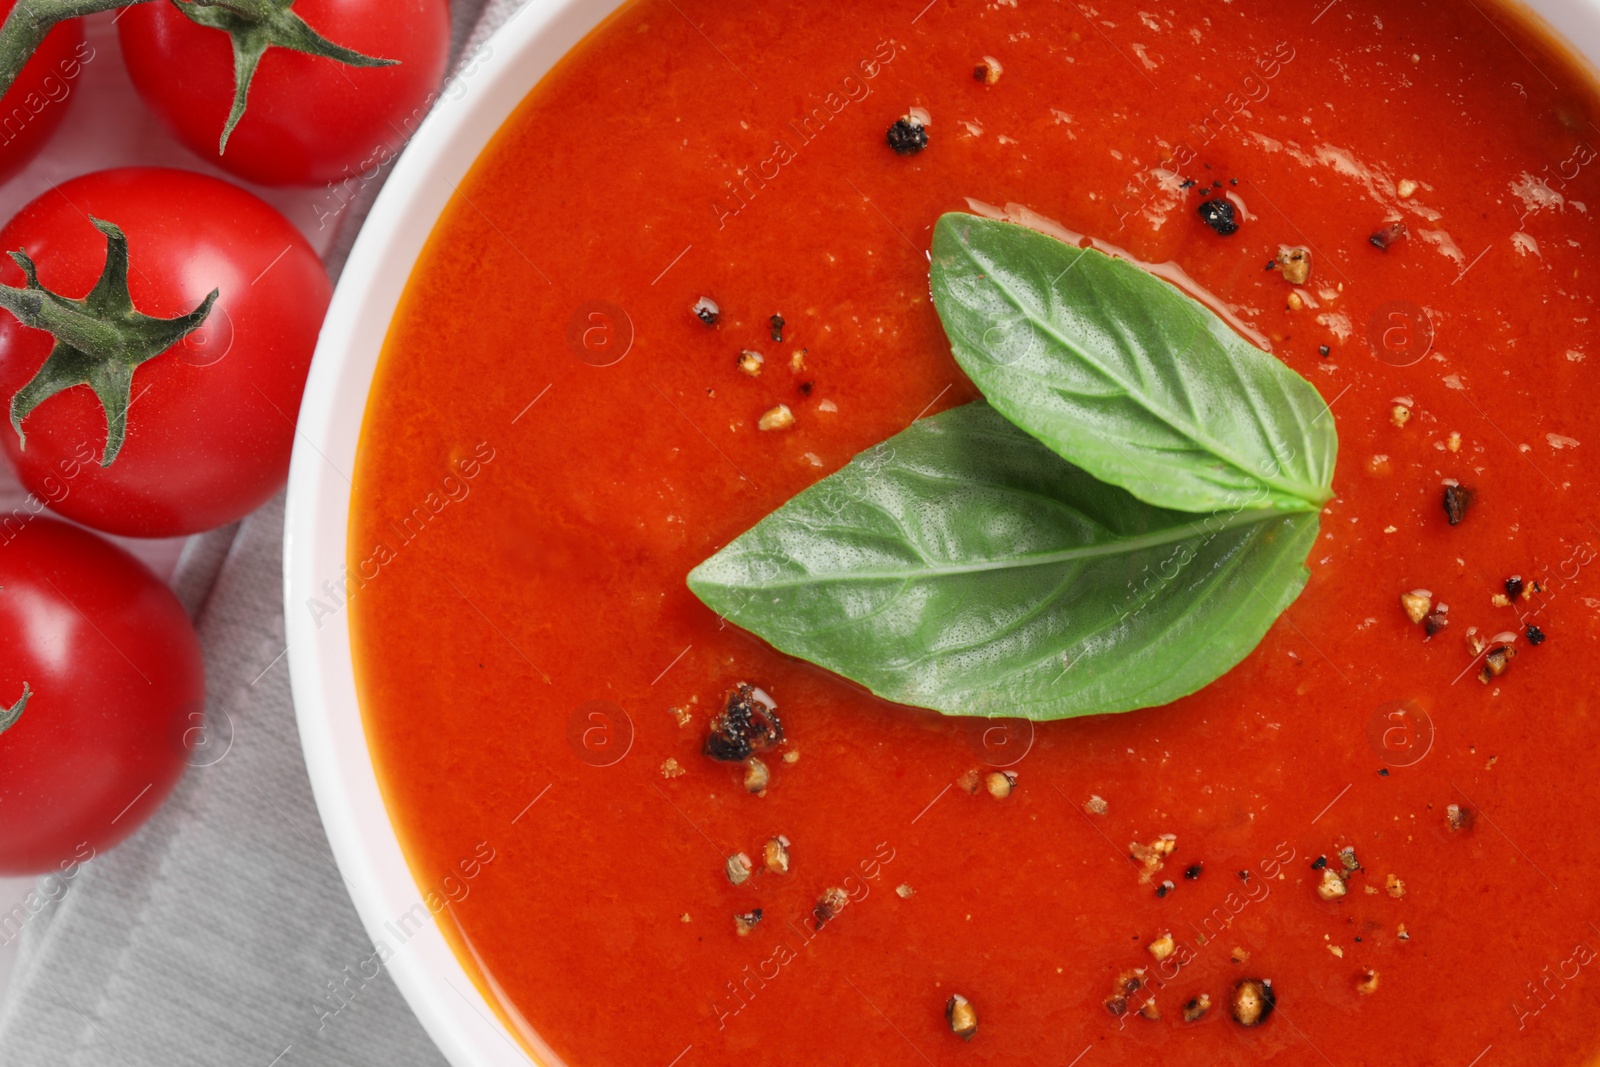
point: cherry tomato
(37, 101)
(310, 120)
(211, 422)
(115, 690)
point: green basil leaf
(963, 566)
(1126, 376)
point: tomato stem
(9, 716)
(100, 339)
(30, 20)
(253, 26)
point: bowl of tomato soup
(548, 388)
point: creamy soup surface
(555, 439)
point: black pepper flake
(1272, 264)
(1434, 622)
(1456, 501)
(1163, 889)
(1233, 181)
(961, 1016)
(1193, 871)
(831, 903)
(806, 387)
(1383, 772)
(1382, 239)
(1323, 351)
(1267, 999)
(706, 310)
(1244, 876)
(907, 136)
(1535, 636)
(777, 327)
(1496, 663)
(746, 725)
(1319, 863)
(1220, 215)
(1514, 586)
(1187, 183)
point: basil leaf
(1126, 376)
(963, 566)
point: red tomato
(116, 690)
(212, 419)
(37, 101)
(310, 120)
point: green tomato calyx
(255, 26)
(100, 339)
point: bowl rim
(468, 111)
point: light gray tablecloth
(222, 934)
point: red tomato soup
(554, 440)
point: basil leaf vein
(1126, 376)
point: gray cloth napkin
(222, 933)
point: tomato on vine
(292, 92)
(163, 325)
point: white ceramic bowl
(472, 108)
